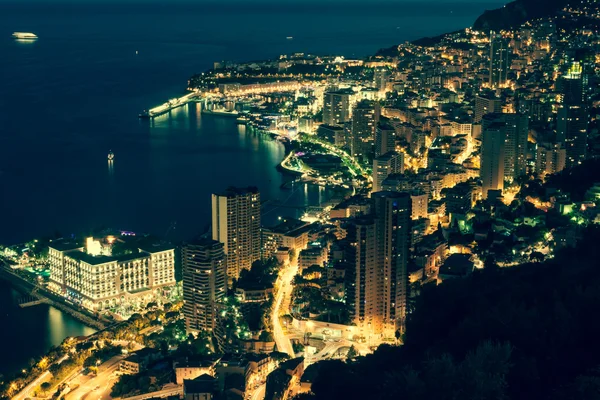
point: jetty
(170, 105)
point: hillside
(516, 13)
(527, 332)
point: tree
(45, 387)
(352, 353)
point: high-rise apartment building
(550, 158)
(337, 107)
(385, 139)
(204, 283)
(381, 266)
(486, 104)
(236, 224)
(516, 127)
(381, 77)
(572, 118)
(392, 211)
(385, 165)
(499, 61)
(365, 118)
(493, 140)
(368, 288)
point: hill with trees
(512, 333)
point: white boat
(24, 35)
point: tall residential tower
(236, 224)
(204, 283)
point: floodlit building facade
(103, 282)
(204, 283)
(236, 224)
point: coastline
(46, 297)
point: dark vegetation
(514, 333)
(516, 13)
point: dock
(30, 301)
(169, 105)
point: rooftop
(235, 191)
(202, 384)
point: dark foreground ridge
(519, 333)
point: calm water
(71, 96)
(30, 332)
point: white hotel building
(99, 282)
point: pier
(170, 105)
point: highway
(281, 306)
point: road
(23, 394)
(45, 376)
(281, 306)
(259, 393)
(98, 386)
(170, 391)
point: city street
(281, 306)
(98, 386)
(259, 393)
(26, 392)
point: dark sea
(74, 94)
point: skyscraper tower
(365, 118)
(236, 224)
(381, 244)
(392, 211)
(516, 127)
(572, 118)
(204, 283)
(368, 288)
(493, 140)
(499, 54)
(336, 107)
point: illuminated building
(336, 107)
(204, 283)
(550, 158)
(100, 282)
(392, 219)
(384, 166)
(515, 129)
(385, 139)
(572, 119)
(419, 201)
(368, 289)
(492, 157)
(381, 77)
(291, 234)
(499, 54)
(486, 104)
(236, 224)
(365, 118)
(381, 262)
